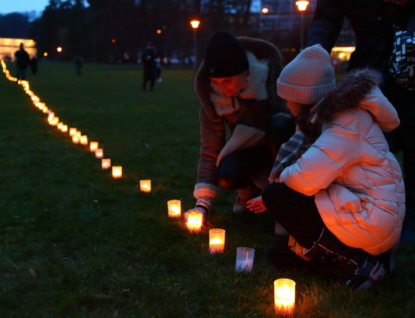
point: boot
(244, 195)
(357, 268)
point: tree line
(118, 30)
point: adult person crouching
(235, 85)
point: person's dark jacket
(250, 111)
(22, 59)
(372, 21)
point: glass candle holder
(145, 185)
(244, 259)
(105, 163)
(284, 296)
(174, 208)
(194, 221)
(216, 241)
(116, 172)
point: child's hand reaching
(256, 205)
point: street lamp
(265, 10)
(302, 6)
(195, 25)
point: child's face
(229, 86)
(295, 108)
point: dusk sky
(10, 6)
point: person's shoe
(240, 204)
(244, 195)
(364, 276)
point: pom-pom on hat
(308, 77)
(225, 56)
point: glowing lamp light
(194, 221)
(195, 24)
(284, 296)
(302, 5)
(174, 208)
(216, 241)
(145, 185)
(105, 163)
(84, 140)
(93, 145)
(99, 153)
(116, 172)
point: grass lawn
(74, 242)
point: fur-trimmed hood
(359, 89)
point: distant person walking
(148, 59)
(79, 62)
(33, 64)
(22, 62)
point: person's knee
(273, 195)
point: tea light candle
(93, 145)
(84, 140)
(116, 172)
(105, 163)
(216, 241)
(194, 221)
(145, 185)
(174, 208)
(75, 139)
(72, 131)
(284, 296)
(244, 259)
(99, 153)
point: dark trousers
(244, 168)
(251, 166)
(150, 79)
(296, 212)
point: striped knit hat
(308, 77)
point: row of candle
(284, 289)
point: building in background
(280, 23)
(9, 46)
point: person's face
(229, 86)
(295, 108)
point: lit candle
(116, 172)
(72, 131)
(75, 139)
(174, 208)
(284, 296)
(105, 163)
(216, 241)
(99, 153)
(244, 259)
(59, 125)
(145, 185)
(84, 140)
(64, 128)
(194, 221)
(93, 145)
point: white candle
(105, 163)
(244, 259)
(174, 209)
(99, 153)
(93, 145)
(194, 221)
(216, 241)
(145, 185)
(284, 296)
(116, 172)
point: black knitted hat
(225, 56)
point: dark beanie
(225, 56)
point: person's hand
(256, 205)
(197, 210)
(397, 2)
